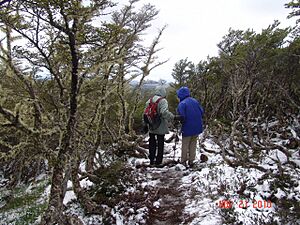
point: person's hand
(178, 118)
(145, 129)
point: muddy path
(168, 195)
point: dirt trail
(169, 207)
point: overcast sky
(194, 27)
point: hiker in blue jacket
(191, 113)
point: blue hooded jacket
(191, 112)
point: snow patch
(69, 196)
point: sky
(195, 27)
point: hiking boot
(191, 165)
(159, 165)
(180, 167)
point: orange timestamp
(244, 204)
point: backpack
(151, 114)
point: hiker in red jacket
(157, 133)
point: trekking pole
(176, 140)
(174, 148)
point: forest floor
(175, 194)
(210, 193)
(179, 197)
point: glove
(145, 129)
(178, 118)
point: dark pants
(156, 141)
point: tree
(72, 70)
(181, 72)
(254, 76)
(295, 6)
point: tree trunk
(87, 203)
(54, 213)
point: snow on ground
(205, 187)
(211, 193)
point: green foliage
(172, 99)
(19, 197)
(254, 71)
(138, 119)
(181, 72)
(26, 203)
(66, 85)
(31, 214)
(295, 6)
(112, 183)
(68, 69)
